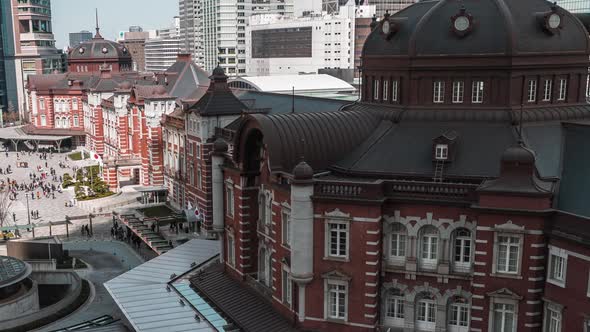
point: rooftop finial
(97, 27)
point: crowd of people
(125, 234)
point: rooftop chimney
(186, 57)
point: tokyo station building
(451, 197)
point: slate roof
(321, 138)
(364, 141)
(503, 27)
(244, 306)
(95, 49)
(275, 103)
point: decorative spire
(97, 36)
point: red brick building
(451, 198)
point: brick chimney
(184, 57)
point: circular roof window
(105, 50)
(125, 50)
(81, 50)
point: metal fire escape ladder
(438, 170)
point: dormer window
(441, 152)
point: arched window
(397, 243)
(43, 120)
(394, 308)
(458, 315)
(462, 250)
(426, 312)
(429, 247)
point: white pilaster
(217, 191)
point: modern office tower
(135, 43)
(575, 6)
(135, 28)
(215, 31)
(392, 6)
(279, 45)
(189, 25)
(28, 47)
(161, 53)
(77, 38)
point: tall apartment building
(575, 6)
(162, 52)
(77, 38)
(215, 31)
(135, 43)
(279, 45)
(28, 46)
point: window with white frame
(394, 308)
(229, 201)
(394, 91)
(438, 95)
(337, 239)
(199, 177)
(547, 88)
(441, 152)
(429, 247)
(41, 104)
(532, 91)
(337, 299)
(264, 211)
(385, 90)
(504, 319)
(458, 91)
(76, 121)
(397, 243)
(462, 250)
(264, 267)
(375, 89)
(562, 89)
(43, 120)
(287, 289)
(198, 152)
(231, 250)
(75, 104)
(552, 318)
(459, 316)
(426, 315)
(285, 226)
(477, 92)
(508, 253)
(556, 273)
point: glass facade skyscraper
(575, 6)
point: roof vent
(181, 302)
(198, 318)
(173, 275)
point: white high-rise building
(162, 52)
(277, 45)
(214, 31)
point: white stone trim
(538, 245)
(537, 257)
(535, 290)
(481, 241)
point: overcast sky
(113, 15)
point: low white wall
(26, 304)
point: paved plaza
(49, 209)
